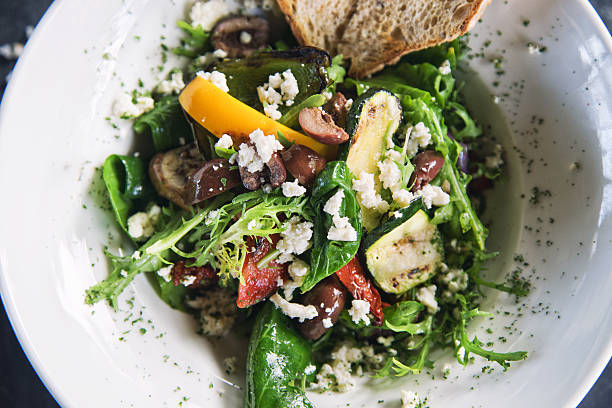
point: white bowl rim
(11, 308)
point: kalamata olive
(337, 108)
(250, 181)
(213, 178)
(427, 165)
(463, 160)
(328, 297)
(479, 185)
(240, 36)
(320, 126)
(276, 170)
(170, 171)
(303, 163)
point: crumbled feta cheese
(390, 174)
(292, 189)
(327, 94)
(409, 399)
(216, 78)
(327, 323)
(136, 255)
(495, 160)
(267, 188)
(188, 280)
(366, 192)
(333, 205)
(403, 197)
(219, 53)
(417, 136)
(174, 85)
(217, 311)
(141, 225)
(445, 68)
(166, 273)
(310, 369)
(252, 225)
(229, 365)
(433, 195)
(294, 310)
(248, 157)
(455, 279)
(359, 311)
(297, 271)
(207, 14)
(397, 214)
(341, 230)
(385, 341)
(123, 273)
(266, 145)
(225, 142)
(279, 88)
(125, 107)
(427, 296)
(295, 239)
(245, 37)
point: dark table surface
(19, 384)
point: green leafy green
(127, 184)
(167, 124)
(194, 43)
(277, 358)
(459, 121)
(461, 339)
(400, 317)
(328, 256)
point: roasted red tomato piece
(259, 283)
(353, 277)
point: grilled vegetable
(404, 251)
(374, 115)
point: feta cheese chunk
(174, 85)
(208, 13)
(295, 239)
(225, 142)
(359, 311)
(141, 225)
(327, 323)
(455, 279)
(297, 271)
(280, 89)
(333, 205)
(427, 296)
(245, 37)
(495, 160)
(294, 310)
(166, 273)
(126, 107)
(433, 195)
(417, 136)
(219, 53)
(292, 189)
(368, 197)
(217, 311)
(266, 145)
(341, 230)
(217, 78)
(445, 68)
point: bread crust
(393, 49)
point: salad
(336, 217)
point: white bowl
(553, 111)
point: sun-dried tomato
(360, 286)
(204, 275)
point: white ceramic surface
(553, 110)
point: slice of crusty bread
(375, 33)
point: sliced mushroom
(170, 171)
(276, 170)
(303, 163)
(328, 297)
(240, 36)
(213, 178)
(320, 126)
(338, 109)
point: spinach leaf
(328, 256)
(167, 124)
(173, 295)
(127, 184)
(276, 360)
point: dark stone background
(19, 384)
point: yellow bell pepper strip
(220, 113)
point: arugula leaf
(127, 184)
(277, 358)
(328, 256)
(167, 124)
(400, 317)
(195, 42)
(474, 346)
(460, 122)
